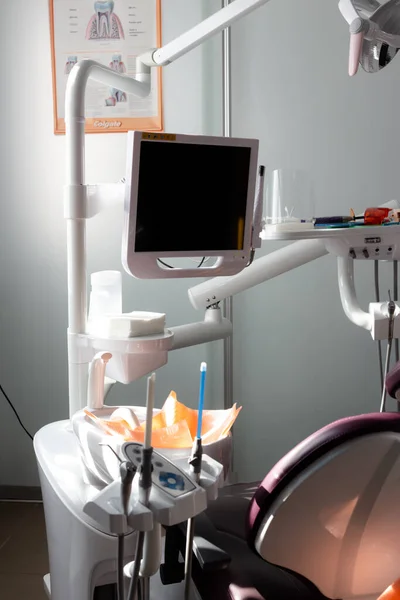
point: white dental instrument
(127, 471)
(258, 209)
(145, 482)
(195, 470)
(391, 309)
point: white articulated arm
(348, 295)
(214, 327)
(200, 33)
(76, 194)
(264, 268)
(75, 176)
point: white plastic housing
(106, 509)
(368, 243)
(164, 507)
(100, 464)
(380, 321)
(76, 543)
(132, 358)
(145, 264)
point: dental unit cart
(104, 499)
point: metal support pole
(227, 132)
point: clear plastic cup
(106, 294)
(290, 200)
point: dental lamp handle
(360, 30)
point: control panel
(166, 476)
(372, 252)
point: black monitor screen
(191, 197)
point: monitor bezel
(145, 265)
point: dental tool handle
(189, 541)
(356, 44)
(145, 476)
(391, 314)
(120, 567)
(133, 587)
(195, 459)
(127, 472)
(144, 485)
(195, 470)
(147, 450)
(203, 372)
(149, 410)
(258, 208)
(189, 558)
(152, 551)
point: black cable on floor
(15, 412)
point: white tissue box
(127, 325)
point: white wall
(33, 313)
(298, 362)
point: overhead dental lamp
(374, 32)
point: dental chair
(324, 523)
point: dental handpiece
(145, 483)
(391, 307)
(195, 471)
(391, 311)
(127, 472)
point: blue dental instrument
(203, 372)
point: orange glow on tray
(174, 426)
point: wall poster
(112, 32)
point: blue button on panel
(173, 481)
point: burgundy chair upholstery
(306, 453)
(392, 381)
(234, 519)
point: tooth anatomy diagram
(72, 60)
(104, 24)
(116, 95)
